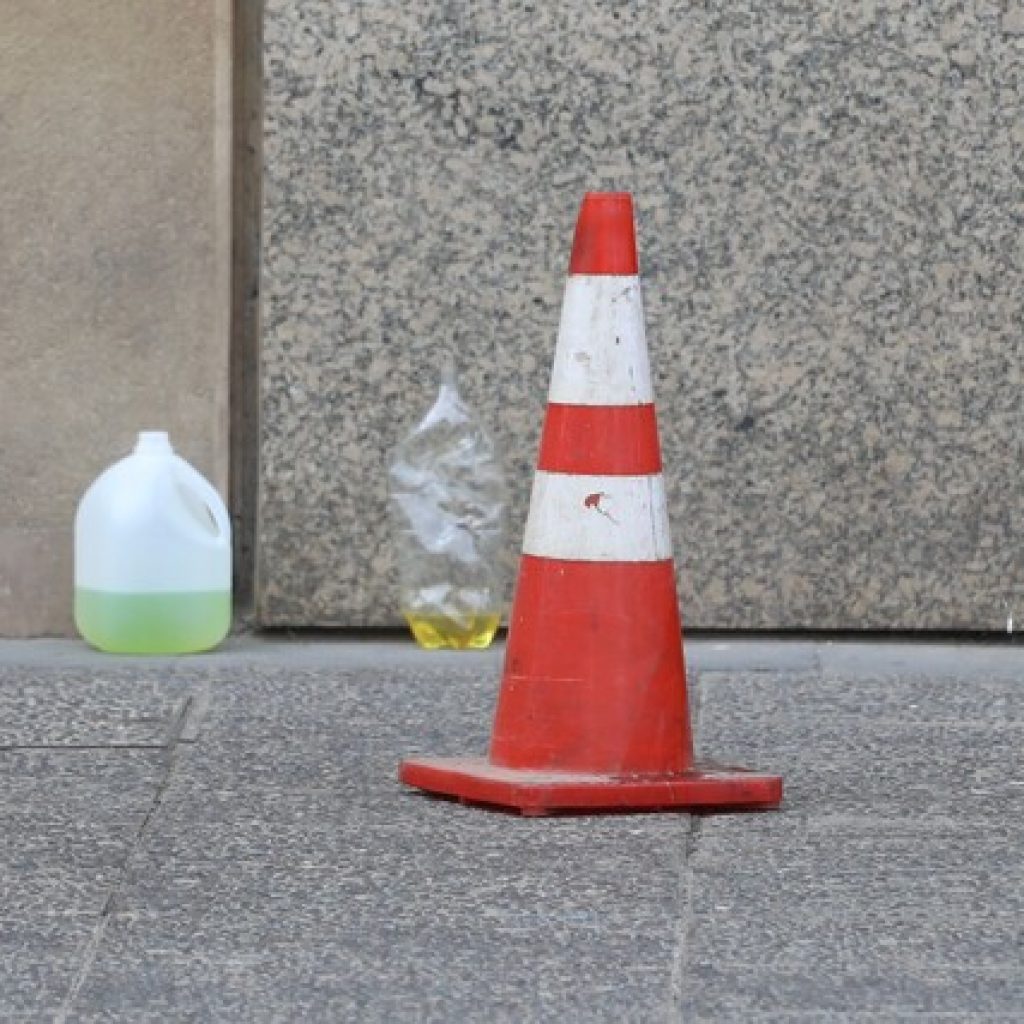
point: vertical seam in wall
(223, 50)
(245, 230)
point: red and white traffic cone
(592, 712)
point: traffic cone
(592, 713)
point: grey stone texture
(829, 206)
(114, 264)
(251, 855)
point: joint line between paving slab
(193, 707)
(678, 977)
(680, 958)
(74, 748)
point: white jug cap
(153, 442)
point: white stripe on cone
(598, 518)
(601, 356)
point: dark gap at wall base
(898, 636)
(246, 217)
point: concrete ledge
(848, 658)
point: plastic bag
(448, 505)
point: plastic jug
(152, 556)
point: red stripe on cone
(590, 685)
(605, 239)
(616, 440)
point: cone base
(701, 788)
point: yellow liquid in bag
(434, 632)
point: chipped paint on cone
(601, 355)
(598, 518)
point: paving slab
(225, 838)
(737, 993)
(122, 707)
(480, 972)
(39, 957)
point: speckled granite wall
(831, 209)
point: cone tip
(605, 239)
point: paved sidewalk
(223, 838)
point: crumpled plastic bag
(448, 508)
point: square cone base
(701, 788)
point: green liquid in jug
(153, 623)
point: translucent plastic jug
(152, 556)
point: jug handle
(210, 497)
